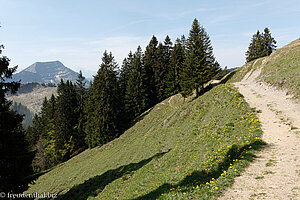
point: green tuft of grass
(259, 177)
(271, 163)
(268, 172)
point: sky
(78, 32)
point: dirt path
(275, 173)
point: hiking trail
(275, 172)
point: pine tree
(55, 133)
(102, 108)
(269, 42)
(261, 45)
(175, 68)
(161, 68)
(255, 49)
(126, 71)
(135, 90)
(200, 64)
(15, 158)
(81, 91)
(168, 45)
(149, 61)
(66, 120)
(81, 98)
(183, 42)
(38, 135)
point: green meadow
(180, 149)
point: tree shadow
(35, 176)
(96, 184)
(197, 178)
(139, 118)
(229, 76)
(203, 90)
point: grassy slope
(179, 149)
(281, 68)
(239, 73)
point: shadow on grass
(139, 118)
(203, 90)
(35, 176)
(229, 76)
(201, 177)
(95, 185)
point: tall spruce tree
(66, 120)
(81, 98)
(57, 132)
(161, 68)
(200, 64)
(102, 107)
(15, 157)
(149, 61)
(48, 153)
(269, 42)
(262, 44)
(255, 49)
(175, 68)
(135, 90)
(41, 136)
(126, 71)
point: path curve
(275, 173)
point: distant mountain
(232, 69)
(46, 72)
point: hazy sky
(77, 32)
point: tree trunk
(197, 92)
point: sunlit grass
(283, 68)
(181, 149)
(280, 69)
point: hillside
(280, 69)
(32, 95)
(46, 72)
(194, 148)
(23, 110)
(181, 149)
(275, 172)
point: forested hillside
(32, 95)
(23, 110)
(181, 148)
(156, 104)
(80, 117)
